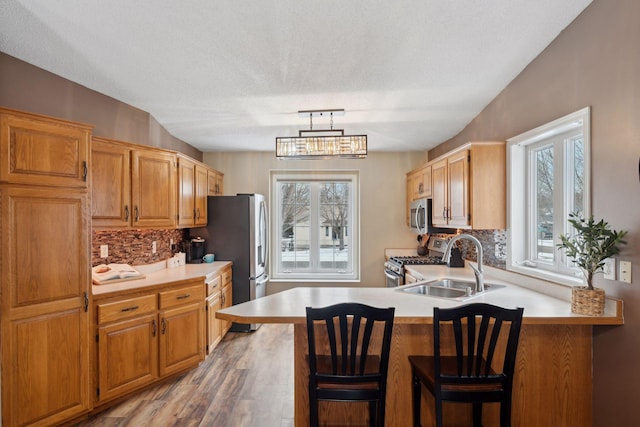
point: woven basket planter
(587, 301)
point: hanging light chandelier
(321, 143)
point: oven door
(393, 279)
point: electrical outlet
(609, 269)
(625, 271)
(154, 247)
(104, 251)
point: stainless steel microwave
(418, 216)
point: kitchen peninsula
(553, 380)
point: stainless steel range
(394, 267)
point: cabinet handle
(86, 302)
(164, 327)
(198, 213)
(126, 212)
(185, 296)
(223, 300)
(85, 171)
(153, 327)
(132, 308)
(135, 210)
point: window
(548, 170)
(316, 226)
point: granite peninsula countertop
(540, 308)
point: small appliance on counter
(195, 250)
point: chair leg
(313, 410)
(477, 414)
(505, 413)
(415, 392)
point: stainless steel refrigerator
(237, 231)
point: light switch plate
(609, 269)
(625, 271)
(104, 251)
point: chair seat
(424, 368)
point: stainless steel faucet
(478, 271)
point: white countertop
(162, 276)
(289, 306)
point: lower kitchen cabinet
(148, 336)
(181, 329)
(219, 295)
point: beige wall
(594, 62)
(28, 88)
(382, 199)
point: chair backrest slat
(480, 326)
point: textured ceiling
(231, 75)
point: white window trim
(517, 206)
(283, 175)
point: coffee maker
(195, 250)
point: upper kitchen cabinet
(420, 182)
(216, 180)
(418, 185)
(39, 150)
(132, 186)
(469, 187)
(193, 183)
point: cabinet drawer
(126, 309)
(226, 277)
(181, 296)
(213, 286)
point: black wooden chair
(343, 365)
(469, 375)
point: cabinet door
(153, 188)
(458, 175)
(181, 338)
(186, 192)
(439, 192)
(227, 301)
(215, 182)
(214, 326)
(44, 304)
(39, 150)
(201, 192)
(127, 356)
(110, 184)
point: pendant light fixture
(321, 143)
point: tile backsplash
(134, 246)
(494, 244)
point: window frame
(277, 274)
(520, 215)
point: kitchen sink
(458, 290)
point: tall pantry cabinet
(44, 268)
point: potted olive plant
(590, 244)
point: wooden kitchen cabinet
(111, 183)
(193, 183)
(213, 304)
(132, 185)
(226, 297)
(216, 180)
(45, 303)
(39, 150)
(418, 186)
(469, 187)
(181, 329)
(147, 336)
(219, 295)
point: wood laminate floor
(246, 381)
